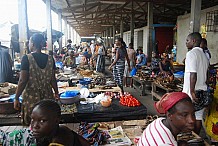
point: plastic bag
(133, 72)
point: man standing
(196, 65)
(5, 65)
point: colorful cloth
(118, 68)
(157, 134)
(211, 121)
(92, 134)
(118, 72)
(38, 87)
(21, 137)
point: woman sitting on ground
(44, 129)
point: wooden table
(158, 90)
(90, 113)
(141, 86)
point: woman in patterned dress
(37, 78)
(100, 64)
(119, 63)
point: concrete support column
(114, 33)
(65, 31)
(150, 29)
(76, 38)
(121, 28)
(73, 36)
(69, 32)
(23, 26)
(60, 29)
(107, 37)
(111, 32)
(132, 25)
(49, 26)
(104, 37)
(195, 16)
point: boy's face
(42, 123)
(189, 42)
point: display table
(141, 86)
(158, 90)
(97, 113)
(90, 113)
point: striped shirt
(157, 134)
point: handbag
(205, 98)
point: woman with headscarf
(100, 65)
(179, 118)
(37, 78)
(119, 63)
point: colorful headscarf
(168, 101)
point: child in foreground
(44, 129)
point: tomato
(129, 100)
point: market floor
(145, 100)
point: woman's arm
(24, 77)
(54, 85)
(115, 60)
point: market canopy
(90, 17)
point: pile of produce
(86, 73)
(129, 100)
(99, 80)
(169, 81)
(68, 109)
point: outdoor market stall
(90, 112)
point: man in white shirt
(196, 65)
(179, 111)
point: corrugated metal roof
(90, 16)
